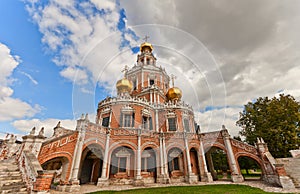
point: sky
(58, 59)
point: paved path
(258, 184)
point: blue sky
(58, 59)
(24, 40)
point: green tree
(276, 120)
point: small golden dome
(124, 85)
(146, 45)
(174, 94)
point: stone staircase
(11, 178)
(292, 168)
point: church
(144, 135)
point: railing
(144, 102)
(28, 168)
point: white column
(230, 155)
(161, 84)
(161, 156)
(142, 78)
(105, 158)
(110, 115)
(139, 158)
(201, 150)
(187, 155)
(156, 121)
(150, 96)
(165, 156)
(77, 156)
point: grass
(203, 189)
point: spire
(41, 133)
(58, 124)
(32, 132)
(173, 77)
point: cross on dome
(146, 38)
(125, 70)
(173, 77)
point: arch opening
(217, 162)
(195, 162)
(60, 165)
(176, 164)
(91, 164)
(122, 163)
(149, 165)
(250, 168)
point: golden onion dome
(174, 94)
(124, 85)
(146, 45)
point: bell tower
(146, 56)
(149, 80)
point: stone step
(4, 178)
(15, 191)
(8, 168)
(13, 186)
(9, 182)
(7, 174)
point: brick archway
(91, 163)
(66, 160)
(253, 157)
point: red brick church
(146, 134)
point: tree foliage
(276, 120)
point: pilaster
(235, 174)
(103, 180)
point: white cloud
(30, 78)
(212, 120)
(255, 43)
(7, 64)
(48, 124)
(110, 5)
(76, 74)
(10, 107)
(79, 35)
(13, 108)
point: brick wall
(43, 181)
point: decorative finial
(82, 116)
(86, 116)
(223, 127)
(41, 133)
(258, 140)
(58, 124)
(146, 38)
(173, 77)
(125, 70)
(32, 132)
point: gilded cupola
(124, 85)
(174, 93)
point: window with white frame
(147, 122)
(172, 123)
(127, 119)
(105, 121)
(186, 124)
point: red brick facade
(141, 136)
